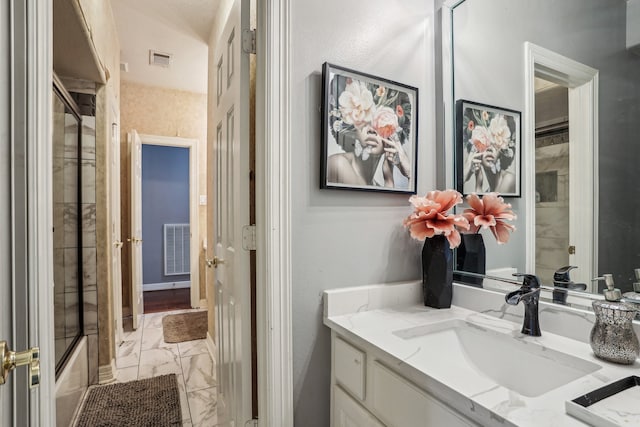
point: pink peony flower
(481, 138)
(490, 212)
(500, 132)
(356, 104)
(385, 121)
(430, 216)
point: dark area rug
(152, 402)
(185, 326)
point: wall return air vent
(160, 59)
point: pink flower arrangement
(490, 212)
(431, 216)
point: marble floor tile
(154, 338)
(184, 402)
(128, 354)
(158, 361)
(191, 348)
(199, 372)
(153, 320)
(127, 374)
(202, 404)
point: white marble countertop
(373, 313)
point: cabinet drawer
(399, 403)
(349, 365)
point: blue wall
(165, 200)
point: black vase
(437, 272)
(471, 257)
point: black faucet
(529, 294)
(562, 280)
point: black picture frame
(369, 132)
(488, 147)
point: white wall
(346, 238)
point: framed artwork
(369, 132)
(487, 149)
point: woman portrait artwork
(369, 136)
(488, 139)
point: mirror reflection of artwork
(487, 149)
(369, 132)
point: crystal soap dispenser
(612, 337)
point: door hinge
(249, 237)
(249, 41)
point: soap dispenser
(612, 337)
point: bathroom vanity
(398, 363)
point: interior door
(26, 241)
(116, 256)
(232, 261)
(137, 305)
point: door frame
(582, 82)
(273, 213)
(273, 207)
(194, 207)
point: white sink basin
(518, 364)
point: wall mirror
(572, 69)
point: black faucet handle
(562, 274)
(529, 280)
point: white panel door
(137, 307)
(232, 273)
(116, 256)
(26, 238)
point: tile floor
(144, 354)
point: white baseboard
(211, 346)
(107, 373)
(165, 286)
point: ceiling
(180, 28)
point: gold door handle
(118, 244)
(134, 240)
(9, 360)
(215, 262)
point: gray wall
(165, 200)
(348, 238)
(489, 68)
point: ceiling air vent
(159, 58)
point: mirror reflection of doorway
(552, 178)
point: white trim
(203, 304)
(194, 205)
(211, 346)
(273, 213)
(163, 286)
(582, 82)
(107, 373)
(39, 200)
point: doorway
(165, 276)
(582, 84)
(166, 266)
(552, 197)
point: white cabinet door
(348, 413)
(401, 404)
